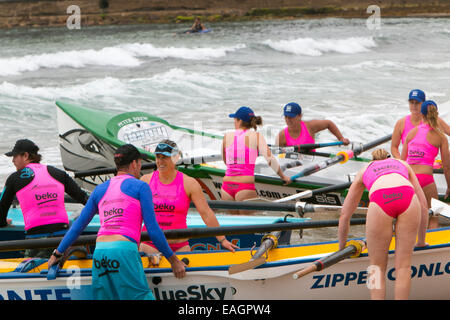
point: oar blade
(236, 268)
(440, 207)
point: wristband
(57, 255)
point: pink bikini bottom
(424, 179)
(232, 188)
(393, 201)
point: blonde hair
(380, 154)
(431, 118)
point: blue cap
(292, 109)
(425, 104)
(243, 113)
(417, 95)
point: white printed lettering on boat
(356, 278)
(209, 291)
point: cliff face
(15, 13)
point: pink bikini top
(303, 138)
(239, 158)
(42, 200)
(407, 128)
(118, 212)
(380, 168)
(170, 201)
(420, 151)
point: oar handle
(342, 157)
(304, 147)
(310, 193)
(353, 249)
(251, 206)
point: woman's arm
(423, 225)
(271, 160)
(350, 204)
(195, 193)
(396, 138)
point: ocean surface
(337, 69)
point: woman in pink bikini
(172, 193)
(300, 132)
(240, 150)
(394, 193)
(406, 124)
(422, 145)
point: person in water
(122, 203)
(40, 191)
(197, 26)
(300, 132)
(172, 193)
(422, 145)
(404, 125)
(395, 197)
(240, 149)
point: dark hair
(125, 155)
(33, 157)
(254, 121)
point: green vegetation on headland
(35, 13)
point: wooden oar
(303, 147)
(189, 233)
(268, 242)
(352, 249)
(341, 157)
(310, 193)
(147, 166)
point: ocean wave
(99, 87)
(317, 47)
(126, 55)
(149, 50)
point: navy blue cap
(417, 95)
(292, 109)
(425, 104)
(243, 113)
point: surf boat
(208, 275)
(88, 139)
(194, 220)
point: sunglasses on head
(166, 150)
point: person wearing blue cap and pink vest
(240, 149)
(40, 191)
(122, 203)
(300, 132)
(406, 124)
(421, 147)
